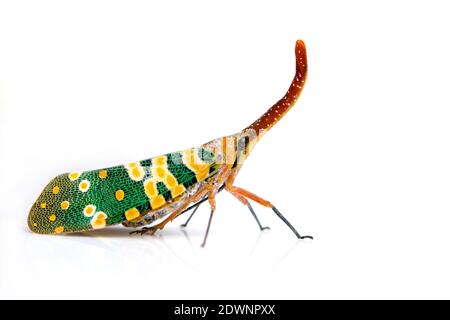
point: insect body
(155, 191)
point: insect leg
(184, 225)
(256, 218)
(161, 225)
(245, 202)
(212, 203)
(247, 194)
(207, 228)
(195, 207)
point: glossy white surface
(361, 162)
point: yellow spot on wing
(120, 195)
(177, 190)
(171, 181)
(135, 171)
(65, 205)
(132, 214)
(59, 229)
(202, 172)
(55, 190)
(150, 188)
(52, 218)
(74, 175)
(89, 210)
(193, 162)
(159, 161)
(101, 215)
(160, 172)
(43, 205)
(84, 185)
(99, 220)
(157, 201)
(103, 174)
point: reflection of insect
(157, 190)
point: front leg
(212, 203)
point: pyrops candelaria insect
(155, 191)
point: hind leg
(243, 195)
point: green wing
(94, 199)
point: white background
(361, 162)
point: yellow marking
(52, 218)
(150, 188)
(171, 181)
(157, 201)
(101, 215)
(34, 224)
(132, 214)
(160, 172)
(59, 229)
(89, 210)
(99, 220)
(55, 190)
(135, 171)
(98, 224)
(120, 195)
(194, 163)
(43, 205)
(202, 172)
(103, 174)
(177, 190)
(84, 185)
(159, 161)
(188, 157)
(74, 175)
(65, 205)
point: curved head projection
(250, 135)
(279, 109)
